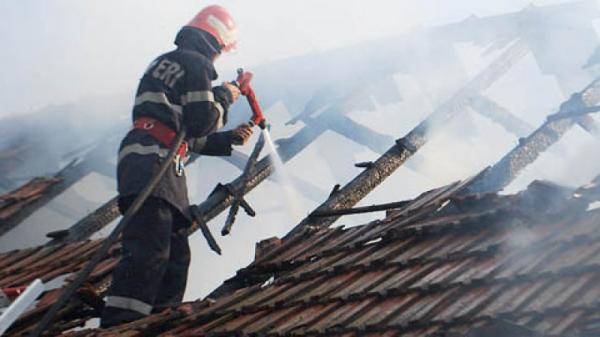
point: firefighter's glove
(241, 134)
(233, 90)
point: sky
(63, 51)
(66, 50)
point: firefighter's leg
(146, 245)
(175, 278)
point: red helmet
(216, 21)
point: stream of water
(287, 187)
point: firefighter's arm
(226, 94)
(220, 143)
(216, 144)
(204, 108)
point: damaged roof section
(55, 264)
(443, 265)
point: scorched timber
(529, 149)
(405, 147)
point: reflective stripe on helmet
(227, 35)
(217, 21)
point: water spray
(258, 119)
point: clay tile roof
(444, 265)
(55, 265)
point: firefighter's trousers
(154, 266)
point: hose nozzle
(243, 83)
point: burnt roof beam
(405, 147)
(497, 177)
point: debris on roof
(507, 169)
(21, 267)
(444, 265)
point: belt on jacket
(166, 136)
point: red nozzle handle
(243, 83)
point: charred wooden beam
(218, 202)
(507, 169)
(221, 200)
(393, 158)
(361, 210)
(405, 147)
(397, 155)
(239, 198)
(582, 118)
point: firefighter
(175, 92)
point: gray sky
(57, 51)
